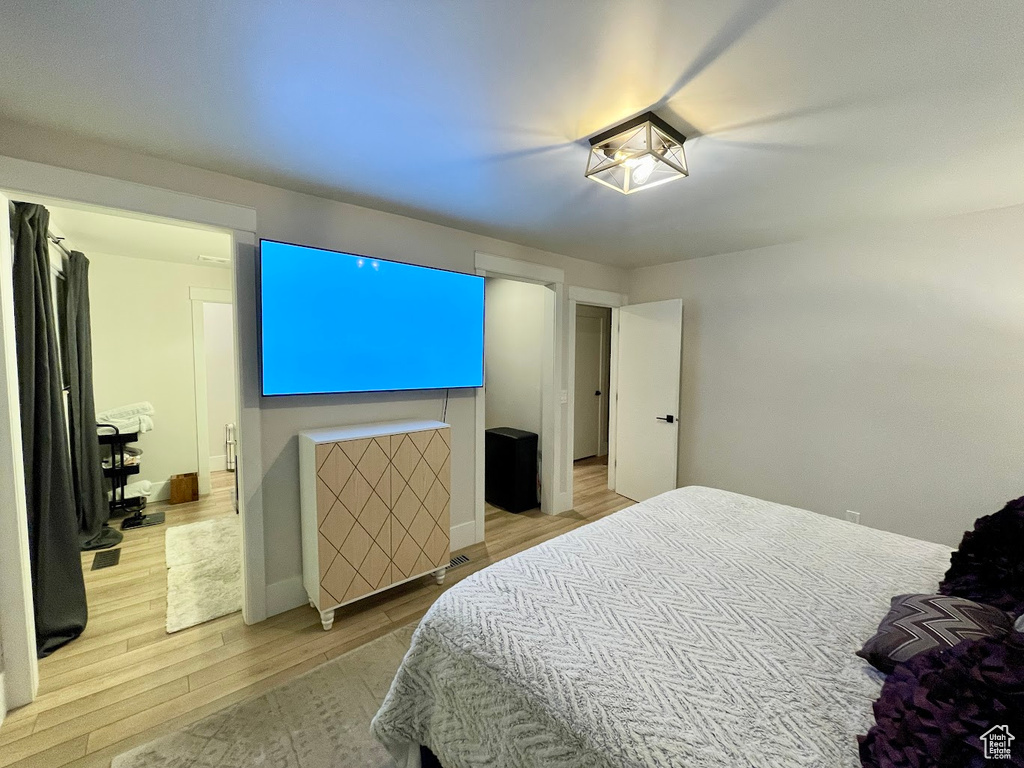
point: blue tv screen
(337, 322)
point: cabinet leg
(439, 575)
(327, 619)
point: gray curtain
(58, 588)
(86, 472)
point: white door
(212, 367)
(17, 623)
(647, 409)
(587, 410)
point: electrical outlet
(852, 517)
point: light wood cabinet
(375, 509)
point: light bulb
(642, 168)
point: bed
(698, 629)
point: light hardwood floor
(126, 681)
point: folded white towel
(126, 411)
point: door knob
(597, 394)
(670, 418)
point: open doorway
(216, 388)
(593, 365)
(514, 347)
(168, 557)
(592, 360)
(644, 353)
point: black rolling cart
(117, 470)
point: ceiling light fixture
(638, 154)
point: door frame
(612, 301)
(37, 180)
(553, 418)
(603, 393)
(19, 667)
(200, 297)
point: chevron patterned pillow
(919, 623)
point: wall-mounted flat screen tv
(338, 322)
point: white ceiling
(805, 115)
(93, 231)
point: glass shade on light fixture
(638, 154)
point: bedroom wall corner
(876, 371)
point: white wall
(318, 221)
(142, 350)
(881, 372)
(219, 341)
(514, 345)
(3, 681)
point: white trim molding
(212, 295)
(613, 301)
(613, 399)
(91, 190)
(17, 620)
(199, 297)
(463, 535)
(556, 476)
(284, 595)
(514, 269)
(596, 297)
(249, 458)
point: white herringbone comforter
(699, 629)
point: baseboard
(284, 595)
(218, 463)
(463, 535)
(562, 502)
(161, 491)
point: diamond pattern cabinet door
(438, 547)
(383, 510)
(420, 514)
(335, 470)
(337, 578)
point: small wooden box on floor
(184, 488)
(375, 509)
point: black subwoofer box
(510, 468)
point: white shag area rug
(319, 720)
(204, 571)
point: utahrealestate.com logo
(997, 740)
